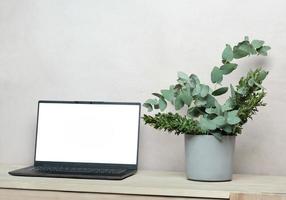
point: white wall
(124, 50)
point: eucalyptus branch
(205, 114)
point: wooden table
(145, 185)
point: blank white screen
(88, 133)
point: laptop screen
(88, 132)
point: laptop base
(31, 172)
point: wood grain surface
(149, 183)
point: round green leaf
(232, 118)
(162, 104)
(216, 75)
(257, 43)
(219, 121)
(228, 68)
(168, 94)
(227, 53)
(238, 53)
(183, 76)
(204, 90)
(220, 91)
(245, 46)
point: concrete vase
(208, 159)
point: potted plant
(210, 126)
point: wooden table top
(157, 183)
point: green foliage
(232, 117)
(242, 49)
(216, 75)
(228, 68)
(220, 91)
(249, 94)
(173, 123)
(204, 113)
(227, 54)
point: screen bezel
(79, 164)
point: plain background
(123, 51)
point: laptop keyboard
(80, 170)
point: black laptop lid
(87, 133)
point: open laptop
(93, 140)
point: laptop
(80, 139)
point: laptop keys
(76, 170)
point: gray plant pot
(208, 159)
